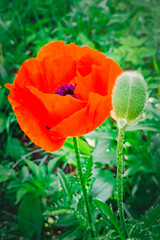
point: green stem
(120, 178)
(84, 190)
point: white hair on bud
(131, 75)
(128, 97)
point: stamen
(67, 89)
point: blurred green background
(38, 192)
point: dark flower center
(67, 89)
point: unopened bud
(129, 98)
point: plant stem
(84, 190)
(120, 178)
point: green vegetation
(41, 197)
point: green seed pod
(129, 98)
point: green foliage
(152, 221)
(126, 31)
(88, 170)
(67, 208)
(30, 216)
(64, 182)
(109, 216)
(148, 227)
(6, 173)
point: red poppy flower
(64, 91)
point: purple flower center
(67, 89)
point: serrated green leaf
(88, 171)
(137, 230)
(151, 218)
(107, 212)
(65, 184)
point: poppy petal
(100, 80)
(58, 107)
(36, 132)
(46, 75)
(94, 114)
(32, 118)
(85, 63)
(55, 49)
(57, 72)
(9, 86)
(78, 52)
(31, 74)
(58, 49)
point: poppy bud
(128, 99)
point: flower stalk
(128, 100)
(120, 178)
(84, 190)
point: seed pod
(129, 98)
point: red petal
(33, 119)
(101, 80)
(31, 73)
(58, 72)
(46, 75)
(78, 52)
(87, 119)
(85, 63)
(58, 49)
(58, 107)
(55, 49)
(9, 86)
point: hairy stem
(120, 178)
(84, 190)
